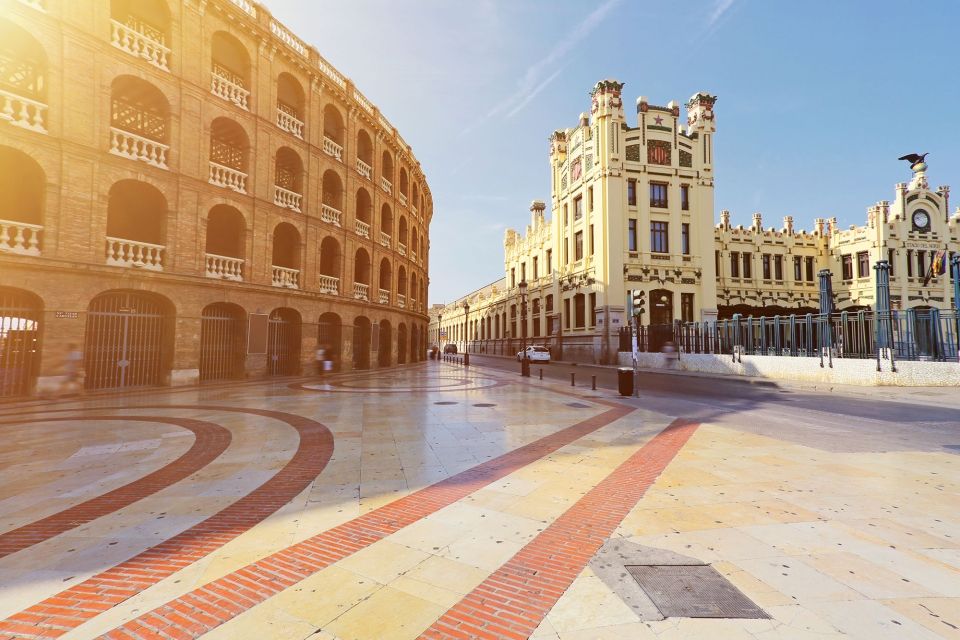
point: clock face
(921, 219)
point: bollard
(541, 373)
(593, 383)
(573, 379)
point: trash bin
(625, 381)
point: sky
(816, 99)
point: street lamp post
(439, 333)
(466, 322)
(524, 361)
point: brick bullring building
(189, 192)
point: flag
(938, 266)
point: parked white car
(539, 354)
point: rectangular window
(765, 262)
(590, 199)
(686, 307)
(523, 272)
(778, 267)
(566, 251)
(632, 192)
(847, 266)
(797, 268)
(593, 309)
(631, 235)
(685, 238)
(890, 256)
(716, 261)
(659, 241)
(809, 267)
(734, 264)
(863, 264)
(921, 263)
(536, 273)
(566, 313)
(579, 316)
(685, 197)
(578, 245)
(658, 195)
(513, 277)
(578, 208)
(549, 304)
(747, 265)
(910, 263)
(549, 262)
(591, 240)
(566, 213)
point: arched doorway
(222, 337)
(328, 333)
(283, 342)
(385, 345)
(361, 343)
(402, 344)
(20, 313)
(128, 340)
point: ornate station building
(190, 192)
(632, 208)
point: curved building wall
(200, 153)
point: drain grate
(578, 405)
(445, 402)
(484, 404)
(693, 591)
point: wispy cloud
(540, 74)
(720, 7)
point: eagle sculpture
(913, 158)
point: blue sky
(816, 99)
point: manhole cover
(484, 404)
(445, 402)
(578, 405)
(693, 591)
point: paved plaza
(440, 501)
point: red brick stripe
(210, 441)
(72, 607)
(512, 602)
(221, 600)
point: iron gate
(283, 344)
(124, 342)
(221, 342)
(19, 342)
(328, 333)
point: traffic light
(639, 302)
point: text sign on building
(67, 315)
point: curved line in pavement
(210, 440)
(70, 608)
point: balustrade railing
(289, 122)
(286, 277)
(329, 284)
(20, 237)
(331, 148)
(130, 145)
(384, 296)
(386, 185)
(286, 198)
(129, 253)
(224, 267)
(247, 7)
(228, 178)
(140, 45)
(364, 169)
(385, 239)
(403, 198)
(39, 5)
(361, 291)
(229, 90)
(401, 249)
(329, 214)
(401, 300)
(363, 229)
(23, 112)
(291, 40)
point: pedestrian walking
(72, 381)
(322, 359)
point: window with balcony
(364, 213)
(291, 105)
(658, 195)
(142, 29)
(230, 70)
(331, 198)
(286, 256)
(288, 180)
(402, 286)
(386, 173)
(364, 154)
(22, 194)
(386, 282)
(631, 234)
(402, 235)
(228, 155)
(404, 186)
(139, 121)
(330, 258)
(333, 133)
(361, 275)
(225, 243)
(659, 237)
(23, 79)
(136, 229)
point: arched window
(226, 243)
(364, 154)
(288, 182)
(139, 121)
(386, 172)
(386, 225)
(330, 266)
(23, 79)
(361, 275)
(22, 187)
(333, 132)
(230, 70)
(136, 215)
(386, 278)
(228, 155)
(403, 185)
(331, 209)
(401, 287)
(364, 213)
(290, 104)
(402, 235)
(286, 256)
(142, 29)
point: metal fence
(913, 334)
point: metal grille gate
(221, 342)
(19, 343)
(283, 339)
(124, 342)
